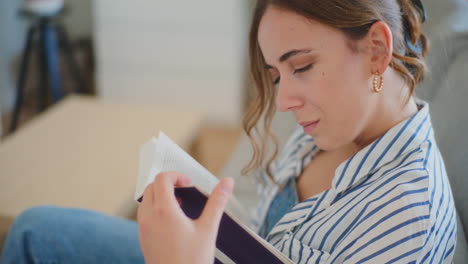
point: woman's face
(318, 76)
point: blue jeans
(50, 234)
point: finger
(164, 184)
(148, 194)
(217, 201)
(146, 202)
(183, 181)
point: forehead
(282, 30)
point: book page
(162, 154)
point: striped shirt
(391, 202)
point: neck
(389, 111)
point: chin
(322, 144)
(328, 144)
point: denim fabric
(280, 205)
(57, 235)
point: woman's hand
(167, 235)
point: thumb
(214, 208)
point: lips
(304, 124)
(309, 127)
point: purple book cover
(233, 240)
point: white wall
(79, 20)
(13, 28)
(12, 34)
(181, 53)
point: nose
(288, 97)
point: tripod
(51, 39)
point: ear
(380, 42)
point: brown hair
(354, 18)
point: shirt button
(326, 203)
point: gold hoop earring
(378, 82)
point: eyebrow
(288, 55)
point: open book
(235, 243)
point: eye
(306, 68)
(276, 81)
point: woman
(360, 180)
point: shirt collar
(297, 152)
(400, 139)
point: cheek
(351, 87)
(341, 127)
(345, 105)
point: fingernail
(187, 181)
(227, 186)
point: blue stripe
(395, 198)
(434, 186)
(300, 135)
(364, 159)
(313, 212)
(384, 234)
(449, 252)
(344, 170)
(311, 199)
(441, 199)
(305, 157)
(288, 222)
(319, 202)
(310, 226)
(440, 225)
(346, 193)
(282, 246)
(315, 208)
(308, 259)
(448, 238)
(363, 185)
(291, 155)
(300, 253)
(397, 136)
(414, 135)
(391, 246)
(387, 181)
(431, 201)
(357, 221)
(409, 253)
(350, 209)
(406, 157)
(450, 220)
(290, 248)
(449, 224)
(303, 206)
(319, 257)
(428, 134)
(383, 219)
(275, 243)
(427, 154)
(287, 163)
